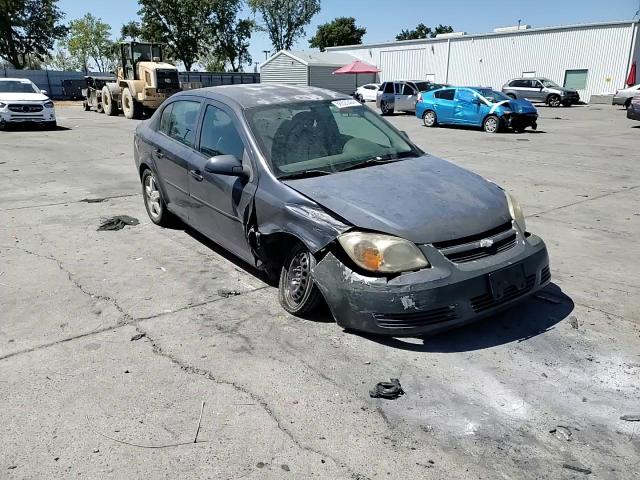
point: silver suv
(402, 95)
(541, 89)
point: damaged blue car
(478, 107)
(337, 206)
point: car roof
(260, 94)
(15, 79)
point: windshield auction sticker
(350, 103)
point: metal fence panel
(51, 80)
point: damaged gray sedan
(335, 203)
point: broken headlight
(516, 212)
(382, 253)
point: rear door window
(182, 121)
(446, 94)
(408, 90)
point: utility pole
(255, 67)
(266, 53)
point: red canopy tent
(354, 68)
(631, 79)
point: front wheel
(627, 104)
(566, 103)
(109, 105)
(86, 106)
(297, 292)
(491, 124)
(430, 119)
(131, 108)
(554, 101)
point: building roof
(259, 94)
(446, 38)
(318, 59)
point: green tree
(231, 36)
(90, 42)
(183, 25)
(422, 31)
(341, 31)
(28, 30)
(60, 59)
(284, 20)
(131, 31)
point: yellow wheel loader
(143, 81)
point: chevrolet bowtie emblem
(486, 243)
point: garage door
(403, 64)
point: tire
(627, 103)
(430, 119)
(131, 108)
(109, 106)
(512, 96)
(85, 106)
(566, 103)
(297, 292)
(553, 100)
(385, 108)
(51, 125)
(153, 201)
(491, 124)
(519, 129)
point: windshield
(424, 86)
(321, 137)
(493, 96)
(145, 52)
(18, 86)
(548, 83)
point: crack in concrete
(128, 319)
(193, 370)
(597, 197)
(70, 202)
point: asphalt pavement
(110, 341)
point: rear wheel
(153, 201)
(86, 106)
(554, 100)
(108, 103)
(430, 119)
(491, 124)
(131, 108)
(627, 103)
(297, 292)
(386, 108)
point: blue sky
(472, 16)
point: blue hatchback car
(481, 107)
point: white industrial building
(592, 58)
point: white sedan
(368, 92)
(22, 101)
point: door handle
(196, 174)
(159, 153)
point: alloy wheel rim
(554, 102)
(152, 197)
(298, 278)
(429, 119)
(491, 125)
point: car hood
(563, 89)
(22, 97)
(522, 106)
(424, 199)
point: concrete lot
(288, 398)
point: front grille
(479, 246)
(36, 118)
(416, 318)
(487, 302)
(545, 276)
(25, 108)
(167, 81)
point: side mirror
(44, 92)
(405, 134)
(226, 165)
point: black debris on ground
(138, 336)
(285, 467)
(573, 321)
(568, 466)
(93, 200)
(561, 433)
(630, 418)
(117, 223)
(225, 293)
(389, 390)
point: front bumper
(573, 98)
(44, 116)
(444, 296)
(633, 112)
(522, 120)
(619, 100)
